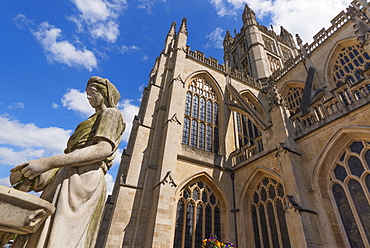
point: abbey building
(270, 148)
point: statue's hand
(31, 169)
(16, 175)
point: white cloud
(126, 49)
(33, 141)
(76, 100)
(130, 49)
(301, 17)
(128, 111)
(22, 22)
(148, 5)
(110, 183)
(23, 142)
(63, 51)
(216, 38)
(57, 49)
(109, 179)
(142, 87)
(306, 17)
(5, 181)
(109, 30)
(99, 17)
(117, 159)
(14, 157)
(92, 9)
(224, 8)
(17, 105)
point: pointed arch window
(248, 133)
(268, 219)
(198, 216)
(349, 187)
(293, 99)
(201, 125)
(351, 60)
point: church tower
(269, 149)
(257, 51)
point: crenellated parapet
(199, 56)
(323, 35)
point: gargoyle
(296, 206)
(167, 179)
(172, 119)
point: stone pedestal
(21, 213)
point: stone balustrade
(346, 98)
(209, 61)
(215, 64)
(248, 151)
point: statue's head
(106, 89)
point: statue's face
(94, 97)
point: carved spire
(299, 40)
(183, 28)
(155, 68)
(361, 26)
(228, 39)
(170, 37)
(249, 17)
(301, 46)
(182, 36)
(274, 97)
(172, 31)
(287, 36)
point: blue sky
(49, 49)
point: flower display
(214, 243)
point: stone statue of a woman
(74, 182)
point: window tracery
(269, 44)
(293, 99)
(198, 216)
(349, 187)
(287, 53)
(350, 62)
(268, 219)
(249, 102)
(248, 132)
(252, 102)
(201, 127)
(274, 63)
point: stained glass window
(179, 224)
(201, 135)
(185, 133)
(350, 62)
(350, 190)
(194, 133)
(293, 99)
(188, 104)
(197, 217)
(248, 133)
(189, 224)
(268, 219)
(201, 109)
(199, 226)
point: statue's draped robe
(78, 193)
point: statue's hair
(107, 89)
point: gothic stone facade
(269, 149)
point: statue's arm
(87, 155)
